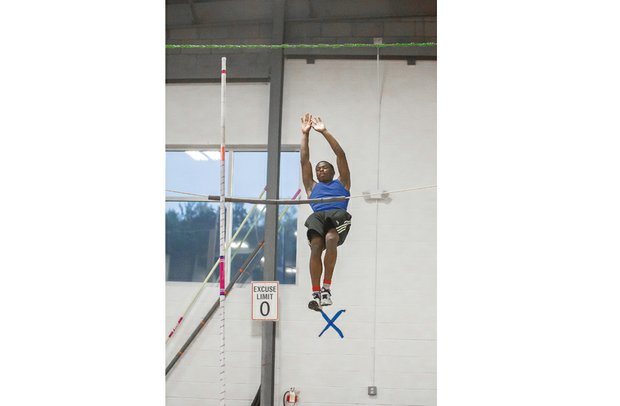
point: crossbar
(210, 198)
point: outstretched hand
(318, 125)
(306, 123)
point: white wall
(193, 113)
(387, 285)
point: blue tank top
(329, 189)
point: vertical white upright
(222, 237)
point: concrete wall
(386, 272)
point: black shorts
(321, 222)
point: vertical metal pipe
(268, 336)
(374, 324)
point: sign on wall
(265, 300)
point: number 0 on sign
(265, 301)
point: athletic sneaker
(315, 303)
(326, 297)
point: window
(192, 226)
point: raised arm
(341, 158)
(306, 166)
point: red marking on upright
(223, 71)
(221, 275)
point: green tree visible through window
(190, 245)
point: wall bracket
(377, 195)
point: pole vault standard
(222, 238)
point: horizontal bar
(211, 198)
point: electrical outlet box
(372, 390)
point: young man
(329, 225)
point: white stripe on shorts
(343, 227)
